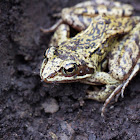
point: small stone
(50, 105)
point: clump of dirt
(22, 94)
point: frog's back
(101, 29)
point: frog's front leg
(102, 78)
(112, 88)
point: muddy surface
(24, 98)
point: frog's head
(56, 68)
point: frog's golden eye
(69, 69)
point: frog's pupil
(70, 69)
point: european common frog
(105, 52)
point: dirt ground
(24, 98)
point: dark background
(22, 94)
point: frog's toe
(52, 28)
(121, 93)
(115, 93)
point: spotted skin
(121, 63)
(109, 41)
(85, 11)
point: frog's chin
(64, 79)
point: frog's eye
(69, 69)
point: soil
(23, 112)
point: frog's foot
(100, 95)
(53, 28)
(112, 95)
(105, 95)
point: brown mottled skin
(111, 39)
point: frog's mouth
(63, 79)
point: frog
(105, 51)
